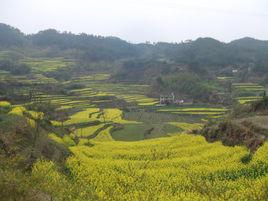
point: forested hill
(201, 52)
(89, 46)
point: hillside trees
(201, 54)
(95, 48)
(142, 70)
(14, 68)
(184, 83)
(10, 36)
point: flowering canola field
(182, 167)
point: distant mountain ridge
(12, 36)
(200, 54)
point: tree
(62, 116)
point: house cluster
(170, 99)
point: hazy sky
(142, 20)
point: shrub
(246, 158)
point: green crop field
(96, 94)
(141, 125)
(203, 112)
(247, 92)
(47, 65)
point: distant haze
(142, 20)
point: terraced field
(247, 92)
(178, 167)
(169, 165)
(100, 106)
(129, 93)
(205, 112)
(90, 121)
(47, 65)
(96, 107)
(182, 167)
(225, 78)
(130, 126)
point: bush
(260, 105)
(14, 68)
(5, 107)
(246, 158)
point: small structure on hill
(235, 71)
(167, 99)
(172, 99)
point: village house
(171, 99)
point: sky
(142, 20)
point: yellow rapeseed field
(182, 167)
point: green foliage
(199, 56)
(14, 68)
(68, 141)
(185, 83)
(141, 70)
(260, 105)
(4, 107)
(5, 104)
(247, 158)
(94, 47)
(13, 183)
(10, 36)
